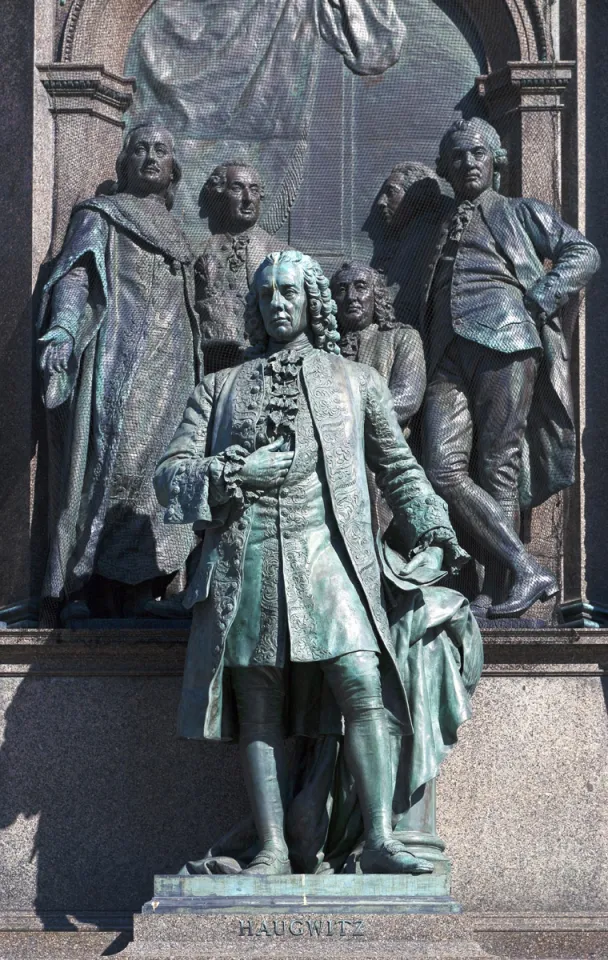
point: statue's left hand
(432, 558)
(535, 310)
(57, 352)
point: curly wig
(486, 133)
(321, 308)
(123, 159)
(384, 312)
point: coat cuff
(547, 295)
(199, 485)
(226, 482)
(427, 524)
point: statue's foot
(74, 610)
(171, 608)
(268, 864)
(480, 605)
(392, 857)
(534, 584)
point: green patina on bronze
(290, 632)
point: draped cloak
(238, 78)
(135, 362)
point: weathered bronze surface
(369, 333)
(231, 198)
(119, 358)
(290, 632)
(498, 427)
(410, 205)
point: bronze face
(283, 301)
(353, 291)
(242, 198)
(391, 197)
(470, 165)
(150, 163)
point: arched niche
(523, 87)
(90, 93)
(99, 31)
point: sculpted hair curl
(486, 132)
(123, 159)
(321, 308)
(384, 311)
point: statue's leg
(448, 442)
(355, 682)
(260, 695)
(502, 401)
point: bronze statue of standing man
(119, 358)
(232, 199)
(498, 428)
(290, 632)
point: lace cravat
(461, 220)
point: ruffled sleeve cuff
(199, 485)
(225, 475)
(189, 494)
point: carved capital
(79, 88)
(526, 86)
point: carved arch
(99, 31)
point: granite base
(251, 935)
(371, 915)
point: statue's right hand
(267, 467)
(56, 354)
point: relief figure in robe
(239, 78)
(119, 358)
(290, 634)
(498, 426)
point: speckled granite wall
(98, 794)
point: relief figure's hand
(535, 310)
(56, 354)
(267, 467)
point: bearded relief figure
(119, 358)
(290, 631)
(232, 199)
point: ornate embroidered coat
(224, 272)
(354, 420)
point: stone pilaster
(525, 102)
(88, 104)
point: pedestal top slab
(428, 893)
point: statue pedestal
(345, 915)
